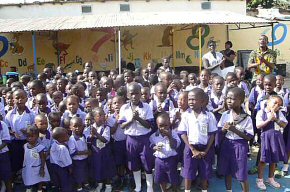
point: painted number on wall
(194, 36)
(5, 43)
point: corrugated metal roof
(125, 19)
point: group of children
(76, 132)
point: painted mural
(140, 45)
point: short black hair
(229, 43)
(240, 93)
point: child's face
(279, 81)
(20, 99)
(166, 79)
(92, 76)
(233, 101)
(107, 85)
(100, 118)
(274, 104)
(42, 104)
(259, 81)
(117, 104)
(240, 74)
(128, 78)
(163, 125)
(57, 97)
(9, 99)
(60, 86)
(89, 120)
(88, 107)
(113, 75)
(195, 101)
(232, 82)
(184, 83)
(161, 93)
(182, 102)
(33, 89)
(191, 79)
(204, 77)
(100, 96)
(218, 86)
(145, 73)
(95, 83)
(134, 95)
(77, 127)
(145, 95)
(269, 85)
(41, 124)
(54, 121)
(32, 138)
(72, 105)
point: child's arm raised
(98, 136)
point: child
(45, 138)
(61, 85)
(279, 89)
(35, 87)
(240, 72)
(79, 152)
(61, 162)
(9, 102)
(145, 95)
(54, 119)
(164, 143)
(41, 104)
(101, 163)
(50, 89)
(90, 104)
(57, 97)
(5, 166)
(17, 120)
(192, 81)
(231, 81)
(255, 91)
(136, 118)
(72, 105)
(119, 140)
(102, 98)
(238, 129)
(162, 103)
(198, 128)
(271, 121)
(204, 81)
(34, 168)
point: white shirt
(4, 136)
(157, 139)
(126, 114)
(79, 113)
(198, 128)
(76, 144)
(59, 155)
(214, 100)
(245, 126)
(212, 61)
(167, 105)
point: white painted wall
(74, 9)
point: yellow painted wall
(140, 45)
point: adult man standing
(262, 60)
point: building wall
(74, 9)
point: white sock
(229, 190)
(186, 190)
(285, 167)
(137, 179)
(108, 188)
(149, 182)
(204, 190)
(3, 186)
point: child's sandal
(260, 184)
(271, 182)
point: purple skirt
(233, 159)
(192, 166)
(101, 164)
(80, 171)
(5, 167)
(139, 153)
(62, 178)
(119, 152)
(286, 136)
(272, 147)
(16, 151)
(166, 170)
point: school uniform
(2, 111)
(32, 165)
(166, 160)
(244, 86)
(214, 103)
(49, 100)
(272, 143)
(233, 154)
(46, 140)
(5, 166)
(207, 89)
(101, 162)
(190, 87)
(198, 130)
(167, 105)
(54, 108)
(79, 113)
(282, 92)
(17, 122)
(31, 102)
(80, 162)
(7, 108)
(138, 148)
(286, 132)
(118, 143)
(61, 162)
(37, 111)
